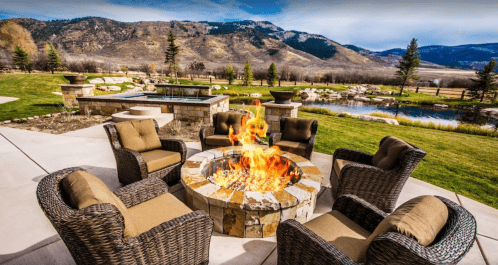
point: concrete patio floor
(27, 237)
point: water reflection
(437, 116)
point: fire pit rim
(196, 184)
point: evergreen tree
(247, 74)
(21, 59)
(230, 74)
(54, 60)
(272, 75)
(485, 81)
(171, 54)
(409, 61)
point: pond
(437, 116)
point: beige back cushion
(388, 152)
(297, 130)
(226, 119)
(84, 189)
(420, 218)
(138, 135)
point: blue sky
(376, 25)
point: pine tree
(54, 60)
(485, 81)
(247, 74)
(409, 61)
(171, 54)
(21, 59)
(230, 74)
(272, 75)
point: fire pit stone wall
(250, 214)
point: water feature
(437, 116)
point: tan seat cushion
(218, 140)
(420, 218)
(297, 148)
(226, 119)
(340, 231)
(159, 159)
(84, 189)
(138, 135)
(388, 152)
(297, 130)
(154, 212)
(339, 164)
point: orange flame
(258, 169)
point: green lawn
(35, 94)
(458, 162)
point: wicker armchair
(94, 235)
(296, 244)
(302, 147)
(131, 164)
(213, 137)
(377, 186)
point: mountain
(211, 42)
(390, 58)
(470, 56)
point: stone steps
(142, 113)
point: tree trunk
(402, 86)
(482, 96)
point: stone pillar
(273, 113)
(71, 92)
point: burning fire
(257, 170)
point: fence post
(278, 82)
(437, 92)
(327, 83)
(261, 82)
(295, 82)
(463, 95)
(416, 91)
(210, 81)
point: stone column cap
(291, 105)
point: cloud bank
(375, 25)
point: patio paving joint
(269, 254)
(482, 252)
(24, 153)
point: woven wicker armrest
(175, 145)
(353, 155)
(275, 138)
(182, 240)
(359, 211)
(296, 244)
(141, 191)
(205, 132)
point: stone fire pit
(246, 213)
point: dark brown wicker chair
(211, 131)
(131, 165)
(377, 186)
(296, 244)
(94, 235)
(277, 137)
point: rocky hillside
(210, 42)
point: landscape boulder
(216, 87)
(492, 112)
(256, 95)
(114, 88)
(379, 119)
(388, 99)
(102, 88)
(304, 95)
(362, 99)
(373, 88)
(96, 81)
(245, 95)
(130, 86)
(225, 87)
(440, 106)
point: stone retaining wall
(191, 111)
(71, 92)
